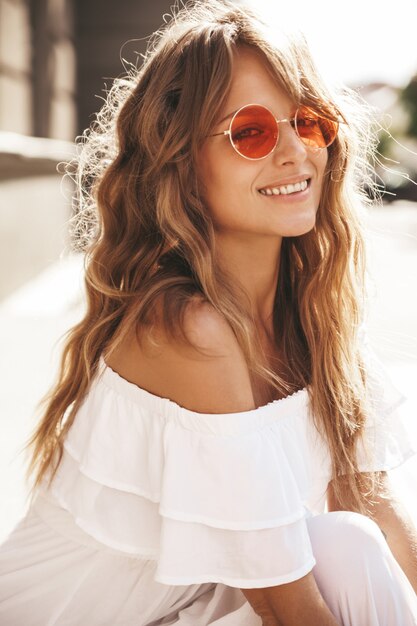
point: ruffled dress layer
(155, 506)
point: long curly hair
(149, 239)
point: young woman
(220, 389)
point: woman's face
(231, 184)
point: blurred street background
(57, 57)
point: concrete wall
(56, 57)
(16, 110)
(37, 99)
(54, 68)
(105, 32)
(37, 68)
(33, 227)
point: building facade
(57, 58)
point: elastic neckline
(164, 406)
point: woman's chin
(298, 227)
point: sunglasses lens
(313, 129)
(254, 132)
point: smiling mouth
(286, 190)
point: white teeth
(285, 189)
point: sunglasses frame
(278, 122)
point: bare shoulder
(211, 377)
(209, 331)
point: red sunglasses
(254, 130)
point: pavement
(34, 318)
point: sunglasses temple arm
(224, 132)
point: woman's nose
(290, 148)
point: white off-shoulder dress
(155, 508)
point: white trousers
(356, 572)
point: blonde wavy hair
(149, 239)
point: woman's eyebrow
(227, 116)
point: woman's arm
(399, 531)
(291, 604)
(396, 525)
